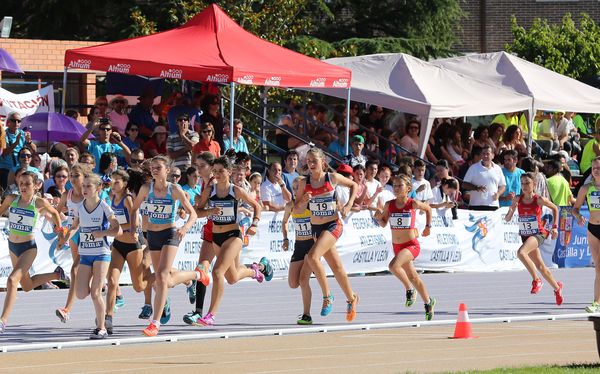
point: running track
(249, 306)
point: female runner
(227, 237)
(299, 272)
(23, 212)
(532, 231)
(591, 193)
(163, 199)
(401, 215)
(319, 190)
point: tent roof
(210, 47)
(550, 90)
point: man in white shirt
(420, 185)
(373, 186)
(486, 182)
(273, 192)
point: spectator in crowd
(181, 143)
(338, 146)
(410, 141)
(13, 189)
(211, 114)
(118, 115)
(72, 113)
(547, 131)
(101, 103)
(136, 160)
(590, 151)
(485, 181)
(373, 119)
(191, 187)
(443, 195)
(182, 108)
(358, 176)
(420, 185)
(530, 165)
(207, 141)
(255, 181)
(71, 156)
(282, 138)
(157, 145)
(387, 194)
(495, 134)
(132, 138)
(86, 158)
(474, 157)
(244, 159)
(52, 168)
(25, 159)
(442, 171)
(107, 165)
(512, 175)
(175, 175)
(273, 192)
(356, 157)
(563, 157)
(93, 117)
(374, 188)
(290, 171)
(481, 137)
(452, 148)
(558, 187)
(60, 177)
(239, 143)
(513, 140)
(15, 140)
(103, 143)
(343, 192)
(142, 113)
(320, 132)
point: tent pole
(265, 102)
(347, 123)
(531, 118)
(64, 92)
(231, 113)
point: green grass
(554, 369)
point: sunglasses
(176, 175)
(206, 131)
(134, 161)
(134, 129)
(26, 155)
(102, 104)
(15, 120)
(413, 128)
(119, 101)
(182, 119)
(105, 129)
(61, 176)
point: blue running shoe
(119, 302)
(192, 318)
(146, 312)
(267, 268)
(166, 314)
(191, 291)
(327, 305)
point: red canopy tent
(210, 47)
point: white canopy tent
(405, 83)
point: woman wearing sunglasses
(207, 142)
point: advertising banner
(27, 103)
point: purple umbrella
(52, 127)
(8, 63)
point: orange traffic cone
(463, 325)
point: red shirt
(212, 147)
(402, 218)
(530, 221)
(151, 144)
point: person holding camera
(107, 141)
(16, 139)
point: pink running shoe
(536, 286)
(558, 294)
(257, 274)
(207, 320)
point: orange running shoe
(558, 294)
(151, 330)
(351, 309)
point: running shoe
(351, 309)
(327, 305)
(305, 319)
(204, 276)
(594, 308)
(60, 272)
(429, 312)
(166, 314)
(98, 334)
(558, 294)
(207, 320)
(119, 302)
(536, 286)
(267, 268)
(2, 327)
(62, 314)
(151, 330)
(108, 324)
(192, 318)
(146, 312)
(257, 274)
(411, 296)
(191, 291)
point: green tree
(564, 47)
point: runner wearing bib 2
(589, 193)
(318, 191)
(24, 209)
(533, 233)
(400, 213)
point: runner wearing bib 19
(318, 191)
(95, 221)
(400, 213)
(590, 194)
(163, 199)
(23, 212)
(533, 234)
(69, 203)
(299, 272)
(227, 237)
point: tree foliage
(564, 47)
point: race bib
(160, 209)
(227, 213)
(21, 219)
(302, 227)
(322, 206)
(400, 221)
(528, 225)
(120, 216)
(594, 200)
(88, 240)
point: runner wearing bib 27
(318, 191)
(590, 194)
(163, 199)
(299, 272)
(23, 212)
(400, 213)
(533, 234)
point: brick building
(487, 26)
(43, 62)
